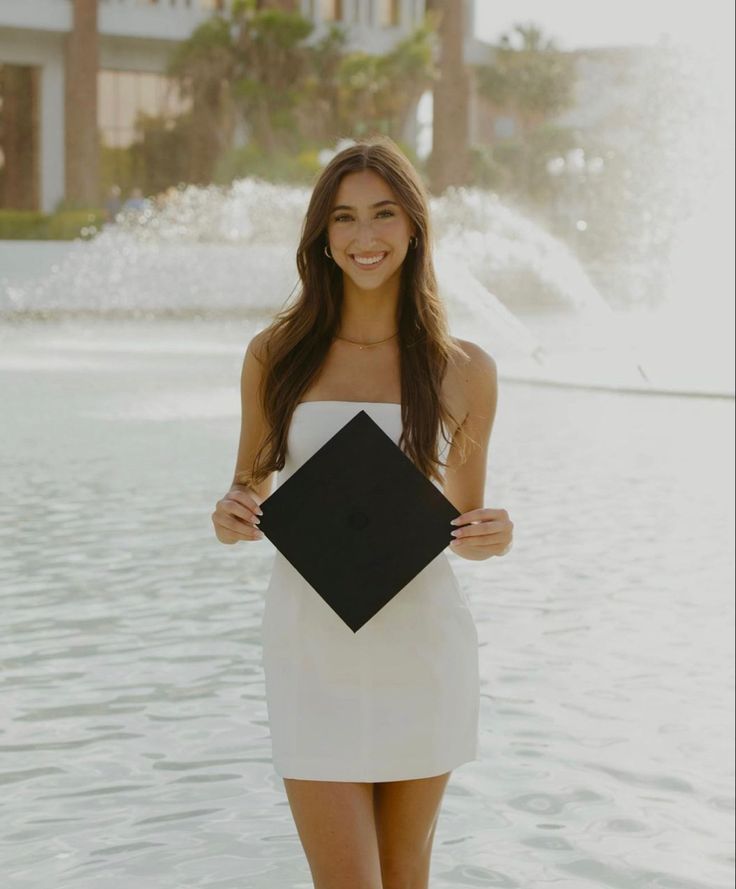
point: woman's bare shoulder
(474, 378)
(476, 359)
(258, 343)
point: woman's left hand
(490, 534)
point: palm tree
(449, 163)
(82, 142)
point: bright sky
(586, 23)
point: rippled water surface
(135, 745)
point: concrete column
(350, 12)
(406, 14)
(82, 146)
(52, 140)
(410, 130)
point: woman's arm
(236, 515)
(253, 426)
(487, 532)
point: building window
(19, 137)
(504, 127)
(210, 5)
(388, 13)
(123, 95)
(331, 10)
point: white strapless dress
(400, 698)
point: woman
(366, 727)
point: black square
(358, 520)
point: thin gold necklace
(366, 345)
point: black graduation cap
(358, 520)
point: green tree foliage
(532, 78)
(169, 152)
(256, 72)
(352, 93)
(317, 115)
(257, 67)
(367, 94)
(519, 169)
(204, 66)
(270, 61)
(532, 81)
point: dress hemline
(321, 771)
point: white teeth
(369, 261)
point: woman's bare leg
(335, 823)
(406, 814)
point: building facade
(132, 43)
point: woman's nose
(362, 227)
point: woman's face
(366, 222)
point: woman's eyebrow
(377, 204)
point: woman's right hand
(236, 516)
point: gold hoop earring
(415, 239)
(327, 252)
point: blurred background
(581, 166)
(156, 160)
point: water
(135, 743)
(508, 284)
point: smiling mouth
(371, 264)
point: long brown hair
(299, 337)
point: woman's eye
(340, 218)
